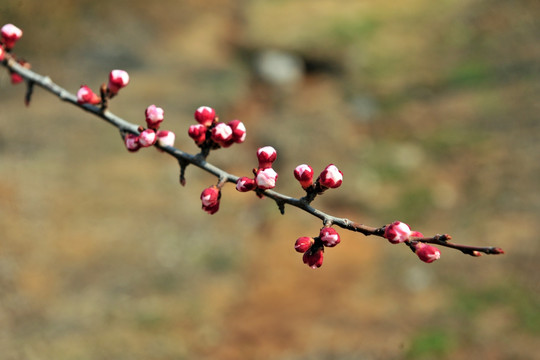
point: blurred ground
(430, 109)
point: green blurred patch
(346, 31)
(430, 343)
(524, 304)
(470, 73)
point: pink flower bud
(85, 95)
(304, 174)
(329, 237)
(266, 178)
(205, 115)
(222, 134)
(2, 53)
(132, 142)
(197, 133)
(154, 116)
(147, 138)
(210, 199)
(313, 258)
(245, 184)
(117, 80)
(416, 234)
(10, 35)
(266, 156)
(303, 244)
(397, 232)
(427, 253)
(331, 177)
(165, 138)
(239, 131)
(16, 78)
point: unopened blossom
(329, 236)
(117, 80)
(313, 257)
(239, 131)
(245, 184)
(266, 156)
(154, 116)
(427, 253)
(303, 244)
(147, 138)
(331, 177)
(397, 232)
(304, 174)
(210, 199)
(165, 137)
(197, 133)
(2, 53)
(266, 178)
(205, 115)
(10, 34)
(132, 142)
(15, 78)
(85, 95)
(222, 134)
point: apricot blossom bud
(303, 244)
(10, 35)
(397, 232)
(16, 78)
(245, 184)
(313, 257)
(329, 236)
(154, 116)
(266, 156)
(2, 53)
(222, 134)
(197, 133)
(210, 199)
(331, 177)
(304, 174)
(239, 131)
(147, 138)
(132, 142)
(165, 138)
(117, 80)
(427, 253)
(266, 178)
(85, 95)
(205, 115)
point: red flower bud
(210, 199)
(331, 177)
(304, 174)
(132, 142)
(266, 178)
(85, 95)
(427, 253)
(147, 138)
(222, 134)
(313, 257)
(245, 184)
(197, 133)
(154, 116)
(205, 115)
(397, 232)
(266, 156)
(329, 237)
(303, 244)
(16, 78)
(117, 80)
(239, 131)
(10, 35)
(2, 53)
(165, 138)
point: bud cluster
(330, 178)
(313, 248)
(149, 136)
(399, 232)
(209, 133)
(117, 80)
(265, 177)
(9, 35)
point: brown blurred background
(430, 109)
